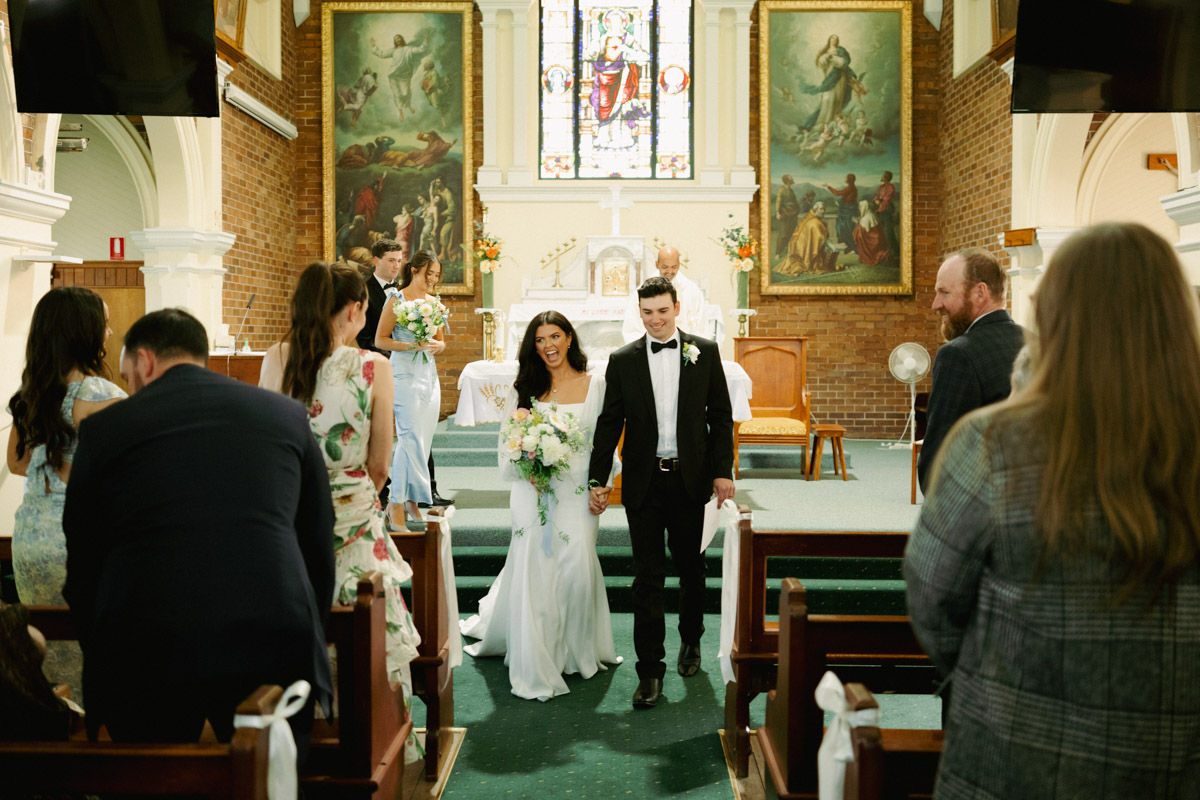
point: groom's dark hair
(658, 285)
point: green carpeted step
(825, 596)
(488, 560)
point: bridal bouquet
(540, 445)
(424, 318)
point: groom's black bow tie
(656, 346)
(387, 286)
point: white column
(489, 174)
(1184, 208)
(1028, 265)
(742, 173)
(183, 269)
(514, 74)
(519, 174)
(711, 172)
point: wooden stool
(834, 434)
(916, 452)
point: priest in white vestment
(691, 299)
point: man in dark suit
(974, 367)
(387, 255)
(667, 391)
(199, 531)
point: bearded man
(974, 368)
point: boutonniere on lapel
(691, 353)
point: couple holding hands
(547, 612)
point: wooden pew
(889, 763)
(234, 771)
(432, 677)
(755, 649)
(360, 754)
(808, 645)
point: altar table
(484, 385)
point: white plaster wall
(1116, 186)
(105, 201)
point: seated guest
(198, 523)
(29, 709)
(1054, 572)
(348, 393)
(60, 386)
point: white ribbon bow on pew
(730, 557)
(836, 749)
(282, 781)
(455, 656)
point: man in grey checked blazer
(974, 367)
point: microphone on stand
(238, 335)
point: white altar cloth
(484, 385)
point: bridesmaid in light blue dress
(418, 395)
(60, 387)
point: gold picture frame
(835, 102)
(397, 94)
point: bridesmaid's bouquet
(424, 318)
(540, 445)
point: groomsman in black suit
(974, 367)
(200, 563)
(667, 391)
(387, 256)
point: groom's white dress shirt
(664, 377)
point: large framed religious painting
(397, 126)
(835, 110)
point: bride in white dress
(547, 612)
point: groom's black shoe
(648, 692)
(689, 660)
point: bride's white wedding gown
(547, 612)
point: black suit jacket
(199, 530)
(375, 298)
(704, 426)
(969, 372)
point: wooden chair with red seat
(781, 407)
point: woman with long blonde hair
(1053, 574)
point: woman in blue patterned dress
(348, 394)
(418, 395)
(60, 387)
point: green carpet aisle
(590, 744)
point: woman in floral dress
(60, 386)
(348, 393)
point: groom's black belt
(668, 464)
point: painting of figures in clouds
(836, 129)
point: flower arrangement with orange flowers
(487, 250)
(740, 247)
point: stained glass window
(616, 89)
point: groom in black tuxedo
(667, 391)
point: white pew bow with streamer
(730, 556)
(836, 749)
(282, 781)
(455, 656)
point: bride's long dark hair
(533, 379)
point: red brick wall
(851, 337)
(464, 341)
(259, 188)
(976, 151)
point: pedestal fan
(909, 363)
